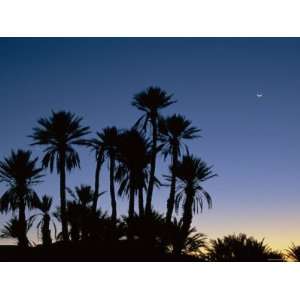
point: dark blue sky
(253, 144)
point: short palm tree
(75, 219)
(20, 173)
(191, 172)
(293, 253)
(96, 145)
(109, 138)
(172, 130)
(149, 229)
(43, 225)
(13, 229)
(83, 194)
(82, 199)
(59, 134)
(194, 243)
(150, 102)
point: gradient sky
(254, 144)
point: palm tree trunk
(152, 166)
(141, 202)
(46, 233)
(171, 200)
(112, 189)
(23, 241)
(97, 182)
(130, 209)
(131, 198)
(64, 222)
(187, 218)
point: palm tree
(133, 156)
(293, 253)
(241, 248)
(44, 206)
(195, 243)
(151, 101)
(59, 134)
(172, 130)
(82, 198)
(20, 172)
(191, 172)
(13, 229)
(74, 217)
(83, 195)
(192, 243)
(109, 138)
(96, 145)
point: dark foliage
(293, 253)
(241, 248)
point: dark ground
(120, 252)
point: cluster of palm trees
(131, 155)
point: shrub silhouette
(293, 253)
(241, 248)
(13, 229)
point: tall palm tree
(109, 138)
(191, 172)
(20, 172)
(96, 145)
(151, 101)
(44, 206)
(134, 157)
(172, 130)
(59, 134)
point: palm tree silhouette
(151, 101)
(74, 218)
(44, 206)
(132, 173)
(83, 194)
(149, 229)
(172, 130)
(20, 172)
(293, 253)
(191, 172)
(192, 243)
(13, 229)
(109, 138)
(59, 134)
(82, 198)
(97, 146)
